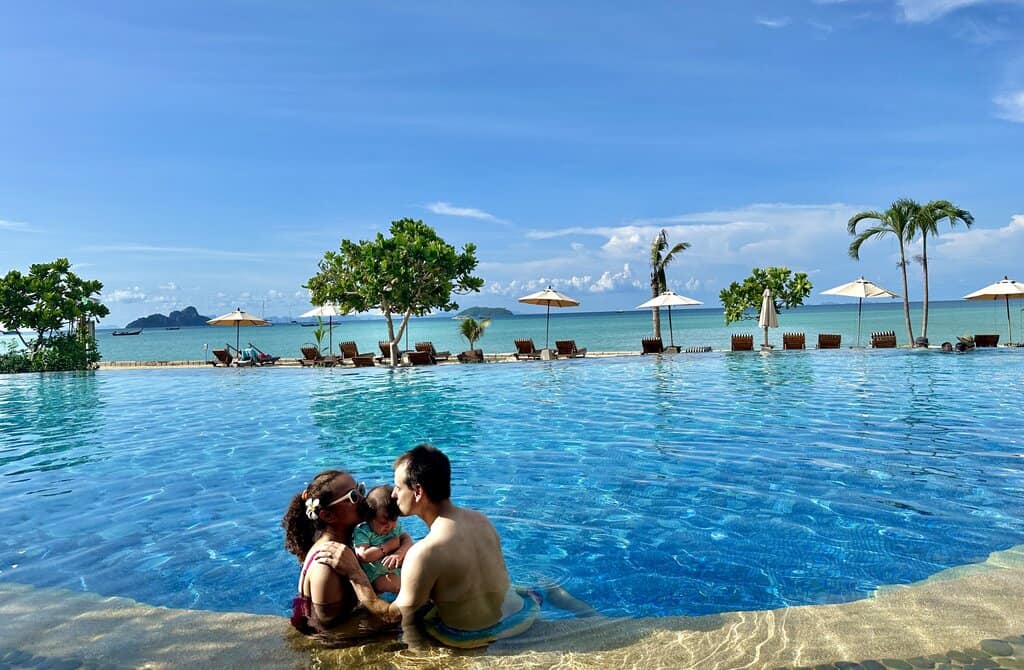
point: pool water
(690, 485)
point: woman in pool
(327, 510)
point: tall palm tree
(898, 221)
(927, 223)
(659, 261)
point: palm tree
(659, 261)
(898, 221)
(927, 223)
(472, 329)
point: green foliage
(46, 300)
(60, 353)
(788, 290)
(412, 272)
(473, 330)
(49, 301)
(661, 257)
(319, 334)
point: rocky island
(189, 316)
(484, 313)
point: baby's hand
(391, 561)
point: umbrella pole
(766, 337)
(860, 303)
(547, 325)
(330, 335)
(237, 342)
(1009, 326)
(671, 335)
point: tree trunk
(906, 299)
(924, 266)
(656, 317)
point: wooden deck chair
(829, 340)
(986, 340)
(742, 342)
(697, 350)
(221, 357)
(526, 350)
(651, 345)
(884, 339)
(311, 356)
(363, 361)
(349, 350)
(568, 348)
(429, 348)
(419, 358)
(794, 341)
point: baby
(380, 542)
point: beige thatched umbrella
(551, 298)
(237, 318)
(1005, 288)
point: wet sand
(950, 614)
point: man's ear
(417, 492)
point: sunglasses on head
(353, 496)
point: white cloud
(610, 281)
(447, 209)
(169, 286)
(1011, 106)
(929, 10)
(130, 295)
(16, 226)
(781, 22)
(981, 247)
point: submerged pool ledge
(953, 610)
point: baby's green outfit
(363, 534)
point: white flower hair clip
(313, 508)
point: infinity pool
(692, 484)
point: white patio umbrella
(237, 318)
(668, 299)
(769, 317)
(551, 298)
(860, 289)
(330, 311)
(1005, 288)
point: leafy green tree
(927, 223)
(897, 221)
(660, 259)
(473, 330)
(788, 290)
(46, 301)
(412, 272)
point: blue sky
(209, 153)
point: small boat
(128, 331)
(172, 328)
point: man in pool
(454, 580)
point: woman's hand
(339, 558)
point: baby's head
(381, 509)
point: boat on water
(128, 331)
(172, 328)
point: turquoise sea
(598, 331)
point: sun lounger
(986, 340)
(419, 358)
(526, 350)
(651, 345)
(221, 357)
(829, 341)
(473, 356)
(239, 360)
(363, 361)
(568, 348)
(349, 350)
(885, 339)
(429, 348)
(742, 342)
(794, 341)
(311, 356)
(697, 350)
(262, 357)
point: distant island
(186, 317)
(483, 313)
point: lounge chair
(221, 357)
(311, 356)
(885, 339)
(568, 348)
(986, 340)
(240, 361)
(429, 348)
(794, 341)
(262, 357)
(419, 358)
(651, 345)
(472, 356)
(349, 350)
(526, 350)
(363, 361)
(385, 352)
(697, 350)
(829, 341)
(742, 342)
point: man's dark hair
(428, 467)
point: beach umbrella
(551, 298)
(237, 319)
(330, 311)
(668, 299)
(769, 317)
(860, 289)
(1005, 288)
